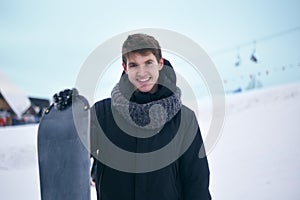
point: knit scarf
(152, 115)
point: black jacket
(186, 178)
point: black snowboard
(63, 156)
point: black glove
(63, 99)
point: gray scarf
(150, 116)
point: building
(15, 104)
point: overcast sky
(43, 44)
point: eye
(132, 65)
(149, 62)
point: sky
(43, 44)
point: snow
(16, 98)
(19, 175)
(256, 157)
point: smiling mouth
(144, 80)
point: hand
(63, 99)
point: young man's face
(143, 71)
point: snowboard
(63, 148)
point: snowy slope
(18, 163)
(257, 156)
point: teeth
(143, 80)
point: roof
(39, 102)
(16, 98)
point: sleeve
(94, 135)
(194, 171)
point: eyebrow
(134, 63)
(144, 62)
(149, 60)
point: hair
(142, 44)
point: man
(145, 114)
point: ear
(161, 63)
(124, 67)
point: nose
(141, 70)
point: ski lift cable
(265, 38)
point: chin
(145, 89)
